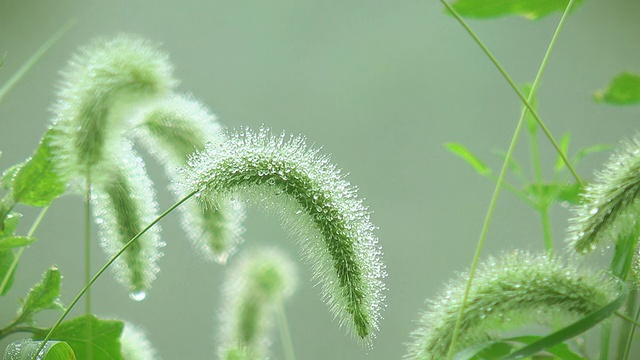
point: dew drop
(138, 295)
(593, 211)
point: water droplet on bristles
(138, 295)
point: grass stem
(106, 266)
(516, 135)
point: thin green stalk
(87, 258)
(34, 58)
(285, 334)
(516, 135)
(605, 339)
(16, 258)
(106, 266)
(526, 103)
(543, 207)
(546, 228)
(630, 338)
(626, 327)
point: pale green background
(381, 85)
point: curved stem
(16, 258)
(516, 135)
(107, 264)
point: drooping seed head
(512, 290)
(254, 289)
(101, 87)
(610, 207)
(124, 203)
(333, 225)
(135, 345)
(172, 129)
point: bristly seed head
(124, 203)
(101, 87)
(334, 226)
(171, 130)
(507, 292)
(253, 291)
(610, 206)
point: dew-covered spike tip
(102, 85)
(321, 207)
(507, 292)
(609, 208)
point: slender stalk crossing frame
(509, 155)
(106, 266)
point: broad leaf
(10, 224)
(6, 182)
(11, 242)
(43, 296)
(104, 341)
(26, 350)
(36, 183)
(530, 9)
(466, 155)
(624, 89)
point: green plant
(121, 90)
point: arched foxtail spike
(507, 292)
(610, 208)
(252, 293)
(101, 87)
(333, 225)
(123, 203)
(171, 130)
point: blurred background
(380, 85)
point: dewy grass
(123, 202)
(102, 85)
(510, 291)
(610, 207)
(122, 89)
(311, 194)
(173, 129)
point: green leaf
(36, 183)
(466, 155)
(11, 242)
(514, 165)
(26, 350)
(6, 259)
(10, 224)
(546, 193)
(7, 176)
(564, 146)
(624, 89)
(590, 150)
(104, 341)
(43, 296)
(530, 9)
